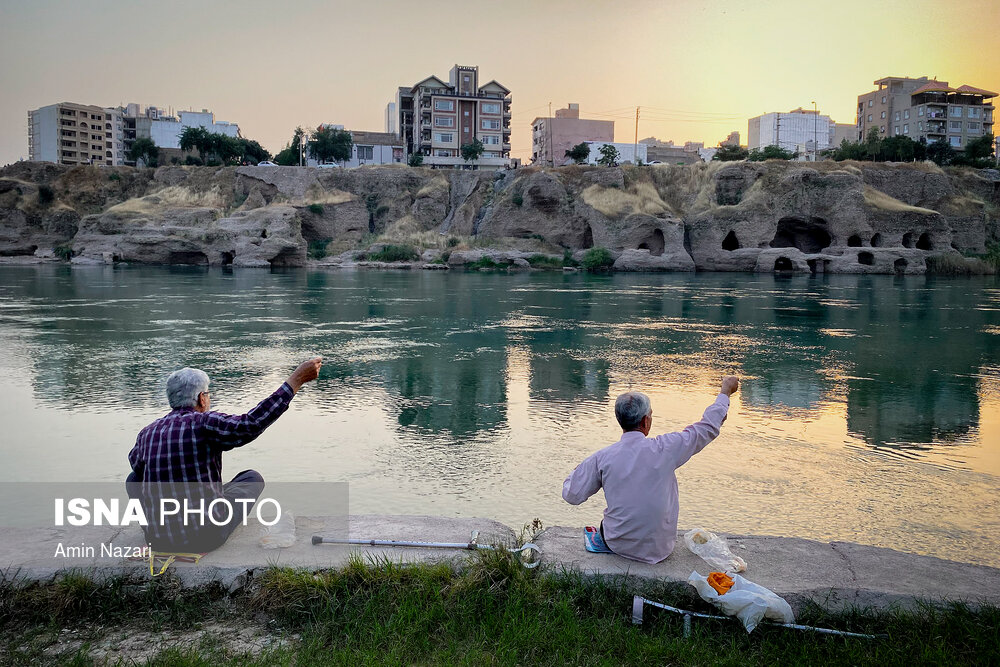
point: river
(869, 412)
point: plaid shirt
(186, 446)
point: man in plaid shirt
(179, 456)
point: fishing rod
(472, 545)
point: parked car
(267, 163)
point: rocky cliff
(827, 217)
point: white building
(626, 152)
(391, 119)
(800, 130)
(368, 148)
(73, 134)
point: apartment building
(74, 134)
(804, 131)
(627, 153)
(437, 118)
(551, 137)
(925, 108)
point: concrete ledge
(834, 575)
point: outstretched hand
(730, 385)
(306, 372)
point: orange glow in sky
(697, 69)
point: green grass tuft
(598, 259)
(394, 253)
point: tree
(771, 152)
(609, 156)
(940, 152)
(472, 150)
(252, 151)
(415, 159)
(328, 144)
(579, 153)
(290, 154)
(730, 153)
(195, 138)
(144, 149)
(978, 152)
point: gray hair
(630, 408)
(184, 387)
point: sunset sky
(698, 70)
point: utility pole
(552, 149)
(815, 132)
(635, 146)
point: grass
(491, 610)
(394, 253)
(881, 200)
(485, 262)
(546, 262)
(317, 248)
(597, 259)
(316, 209)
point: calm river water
(870, 409)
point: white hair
(184, 387)
(630, 408)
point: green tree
(472, 150)
(289, 155)
(415, 159)
(609, 156)
(251, 151)
(940, 152)
(978, 152)
(329, 144)
(195, 138)
(730, 153)
(144, 149)
(579, 153)
(771, 152)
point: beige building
(437, 118)
(925, 108)
(552, 137)
(665, 152)
(69, 133)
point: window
(883, 114)
(490, 154)
(466, 79)
(906, 114)
(444, 137)
(491, 139)
(869, 118)
(974, 126)
(871, 102)
(491, 124)
(491, 108)
(444, 105)
(956, 125)
(366, 152)
(973, 112)
(466, 113)
(895, 130)
(897, 115)
(443, 153)
(465, 129)
(956, 112)
(955, 141)
(906, 128)
(442, 121)
(883, 99)
(920, 126)
(920, 111)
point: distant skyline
(698, 70)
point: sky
(696, 69)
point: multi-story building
(732, 140)
(437, 118)
(391, 118)
(69, 133)
(804, 131)
(552, 137)
(841, 131)
(925, 108)
(627, 153)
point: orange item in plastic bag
(720, 581)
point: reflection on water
(475, 394)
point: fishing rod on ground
(528, 549)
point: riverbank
(321, 604)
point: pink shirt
(637, 474)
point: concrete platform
(834, 575)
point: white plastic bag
(713, 550)
(281, 534)
(745, 600)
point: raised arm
(583, 482)
(695, 437)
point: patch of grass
(46, 195)
(317, 248)
(316, 209)
(64, 252)
(485, 262)
(394, 253)
(953, 264)
(517, 198)
(598, 259)
(881, 200)
(491, 610)
(568, 259)
(452, 242)
(545, 262)
(114, 176)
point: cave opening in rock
(289, 256)
(192, 257)
(731, 243)
(687, 239)
(924, 242)
(263, 233)
(809, 236)
(854, 241)
(588, 237)
(654, 243)
(866, 258)
(877, 241)
(899, 266)
(817, 266)
(908, 240)
(227, 258)
(783, 264)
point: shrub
(956, 265)
(317, 248)
(394, 253)
(545, 262)
(517, 198)
(316, 209)
(46, 195)
(63, 252)
(175, 160)
(484, 262)
(214, 163)
(114, 176)
(568, 259)
(415, 159)
(452, 242)
(598, 259)
(193, 161)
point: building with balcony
(74, 134)
(552, 137)
(925, 108)
(437, 118)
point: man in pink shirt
(637, 475)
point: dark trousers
(247, 484)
